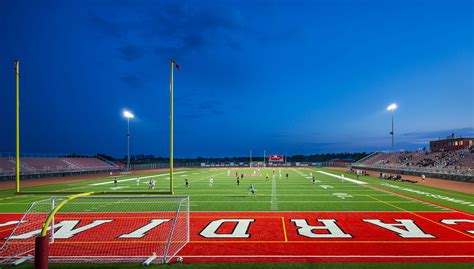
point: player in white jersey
(211, 181)
(138, 181)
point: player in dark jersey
(186, 182)
(238, 181)
(286, 175)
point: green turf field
(297, 193)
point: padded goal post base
(41, 252)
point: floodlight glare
(127, 114)
(392, 107)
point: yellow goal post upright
(173, 65)
(17, 129)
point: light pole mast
(392, 133)
(392, 108)
(250, 162)
(128, 115)
(128, 144)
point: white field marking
(344, 178)
(292, 201)
(304, 195)
(125, 180)
(203, 178)
(326, 186)
(119, 187)
(8, 223)
(342, 195)
(407, 197)
(274, 203)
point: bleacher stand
(457, 162)
(31, 165)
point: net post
(41, 252)
(52, 220)
(187, 220)
(171, 233)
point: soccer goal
(91, 228)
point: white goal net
(103, 229)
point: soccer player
(238, 181)
(310, 174)
(138, 181)
(228, 172)
(211, 180)
(286, 175)
(150, 184)
(115, 181)
(186, 182)
(314, 179)
(423, 178)
(342, 177)
(241, 176)
(236, 174)
(266, 176)
(251, 189)
(153, 183)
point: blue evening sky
(291, 77)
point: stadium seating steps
(53, 165)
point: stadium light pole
(392, 108)
(264, 159)
(128, 115)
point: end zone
(282, 236)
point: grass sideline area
(297, 193)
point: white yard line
(134, 178)
(274, 203)
(343, 178)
